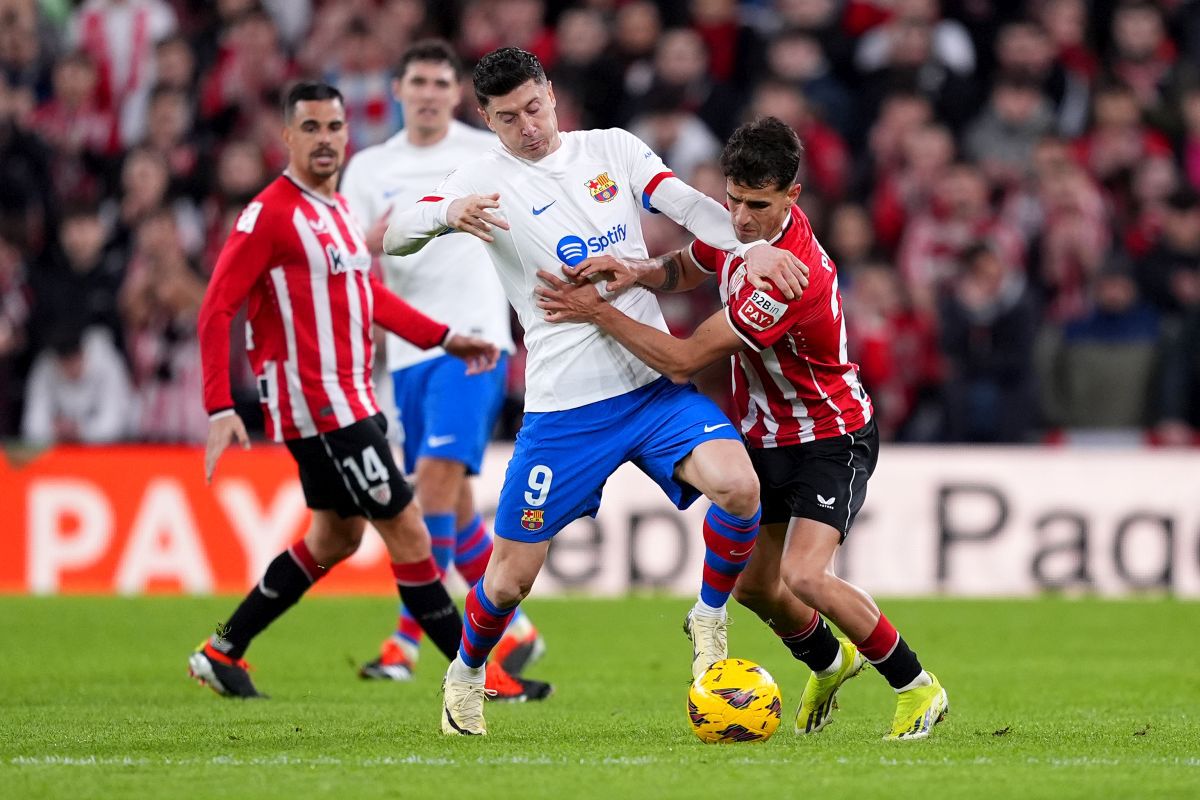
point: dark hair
(308, 90)
(764, 153)
(66, 338)
(502, 70)
(436, 50)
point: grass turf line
(1049, 698)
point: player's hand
(222, 433)
(472, 214)
(567, 302)
(376, 232)
(768, 267)
(480, 354)
(617, 273)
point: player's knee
(738, 493)
(807, 584)
(508, 591)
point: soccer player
(301, 259)
(539, 198)
(446, 415)
(804, 414)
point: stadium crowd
(1010, 190)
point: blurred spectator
(361, 72)
(14, 314)
(508, 23)
(247, 78)
(821, 18)
(169, 130)
(1143, 57)
(1076, 234)
(907, 187)
(1118, 139)
(78, 390)
(159, 302)
(240, 174)
(145, 188)
(1097, 373)
(1177, 392)
(1002, 138)
(81, 133)
(988, 327)
(734, 50)
(637, 28)
(1154, 180)
(1065, 22)
(677, 135)
(22, 60)
(851, 240)
(796, 57)
(950, 45)
(175, 63)
(959, 217)
(897, 354)
(1027, 51)
(1190, 145)
(681, 67)
(586, 65)
(27, 202)
(119, 36)
(1169, 275)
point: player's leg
(690, 448)
(555, 476)
(335, 530)
(721, 470)
(219, 662)
(522, 644)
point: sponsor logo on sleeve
(248, 217)
(760, 311)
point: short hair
(764, 153)
(308, 90)
(504, 69)
(436, 50)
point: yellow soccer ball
(734, 701)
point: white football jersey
(582, 200)
(452, 279)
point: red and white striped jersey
(302, 262)
(795, 383)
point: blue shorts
(446, 413)
(563, 458)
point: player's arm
(243, 260)
(676, 271)
(410, 230)
(678, 359)
(422, 331)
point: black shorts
(825, 480)
(351, 471)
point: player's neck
(324, 188)
(426, 138)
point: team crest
(381, 494)
(602, 188)
(532, 518)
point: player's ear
(487, 120)
(794, 192)
(550, 93)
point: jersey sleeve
(244, 259)
(405, 321)
(646, 169)
(705, 256)
(761, 318)
(412, 228)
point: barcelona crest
(602, 188)
(532, 518)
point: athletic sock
(286, 580)
(424, 595)
(441, 535)
(815, 645)
(891, 656)
(461, 672)
(472, 550)
(728, 543)
(482, 628)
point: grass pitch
(1049, 698)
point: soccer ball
(734, 701)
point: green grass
(1050, 698)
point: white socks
(703, 609)
(461, 672)
(832, 669)
(921, 680)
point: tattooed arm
(676, 271)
